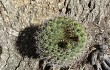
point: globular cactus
(63, 39)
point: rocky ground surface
(18, 14)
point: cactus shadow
(26, 43)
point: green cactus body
(63, 39)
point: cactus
(62, 39)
